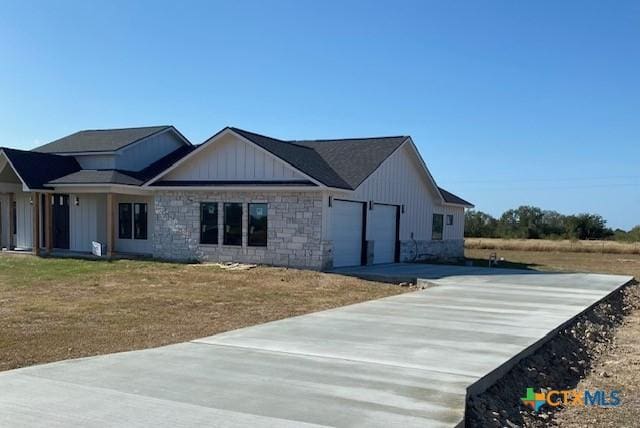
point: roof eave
(25, 186)
(467, 205)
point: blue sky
(509, 102)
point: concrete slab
(406, 360)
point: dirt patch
(575, 352)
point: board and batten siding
(231, 158)
(96, 161)
(24, 220)
(142, 154)
(87, 221)
(401, 180)
(455, 231)
(4, 220)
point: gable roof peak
(103, 140)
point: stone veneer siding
(431, 250)
(294, 229)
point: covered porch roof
(34, 170)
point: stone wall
(294, 228)
(448, 249)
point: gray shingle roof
(115, 176)
(37, 169)
(92, 176)
(355, 159)
(343, 163)
(300, 157)
(99, 140)
(453, 199)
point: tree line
(529, 222)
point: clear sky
(509, 102)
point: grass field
(54, 309)
(611, 247)
(627, 264)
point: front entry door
(60, 217)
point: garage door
(346, 233)
(381, 228)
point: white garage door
(381, 228)
(346, 233)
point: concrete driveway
(405, 360)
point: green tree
(479, 225)
(587, 226)
(522, 222)
(553, 224)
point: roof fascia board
(24, 183)
(97, 188)
(96, 153)
(426, 170)
(242, 188)
(453, 204)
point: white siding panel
(96, 161)
(142, 154)
(4, 220)
(84, 221)
(400, 180)
(233, 159)
(24, 220)
(455, 231)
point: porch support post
(48, 223)
(11, 218)
(110, 226)
(35, 237)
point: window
(232, 223)
(436, 228)
(132, 219)
(125, 221)
(140, 221)
(257, 225)
(449, 219)
(209, 223)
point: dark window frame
(227, 225)
(132, 232)
(434, 236)
(253, 238)
(449, 220)
(215, 227)
(143, 235)
(125, 234)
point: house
(239, 196)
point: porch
(67, 224)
